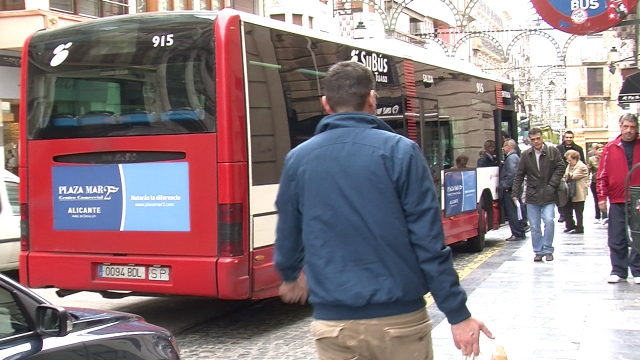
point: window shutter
(244, 5)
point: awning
(630, 92)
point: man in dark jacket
(507, 173)
(489, 157)
(544, 169)
(618, 157)
(523, 207)
(568, 144)
(358, 208)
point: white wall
(435, 9)
(10, 86)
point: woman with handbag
(594, 162)
(576, 177)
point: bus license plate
(159, 273)
(122, 272)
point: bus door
(505, 122)
(430, 137)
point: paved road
(273, 331)
(246, 330)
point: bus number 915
(162, 40)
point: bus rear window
(138, 77)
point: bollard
(632, 213)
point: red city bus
(152, 146)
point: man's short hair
(511, 143)
(568, 132)
(629, 118)
(489, 143)
(535, 131)
(505, 135)
(347, 86)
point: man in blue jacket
(507, 174)
(358, 209)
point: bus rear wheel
(476, 243)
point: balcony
(409, 38)
(347, 8)
(594, 55)
(605, 94)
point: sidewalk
(562, 309)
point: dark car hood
(95, 317)
(88, 319)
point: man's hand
(515, 199)
(466, 336)
(602, 205)
(295, 291)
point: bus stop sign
(581, 17)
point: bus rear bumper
(181, 275)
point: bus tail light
(230, 229)
(24, 227)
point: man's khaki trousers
(401, 337)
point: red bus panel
(91, 247)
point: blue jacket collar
(351, 119)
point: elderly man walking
(507, 174)
(544, 169)
(618, 157)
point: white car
(9, 221)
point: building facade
(593, 85)
(314, 14)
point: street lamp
(360, 31)
(550, 89)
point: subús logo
(376, 63)
(60, 54)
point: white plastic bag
(496, 352)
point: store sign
(629, 98)
(583, 17)
(10, 61)
(506, 94)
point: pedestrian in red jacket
(617, 159)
